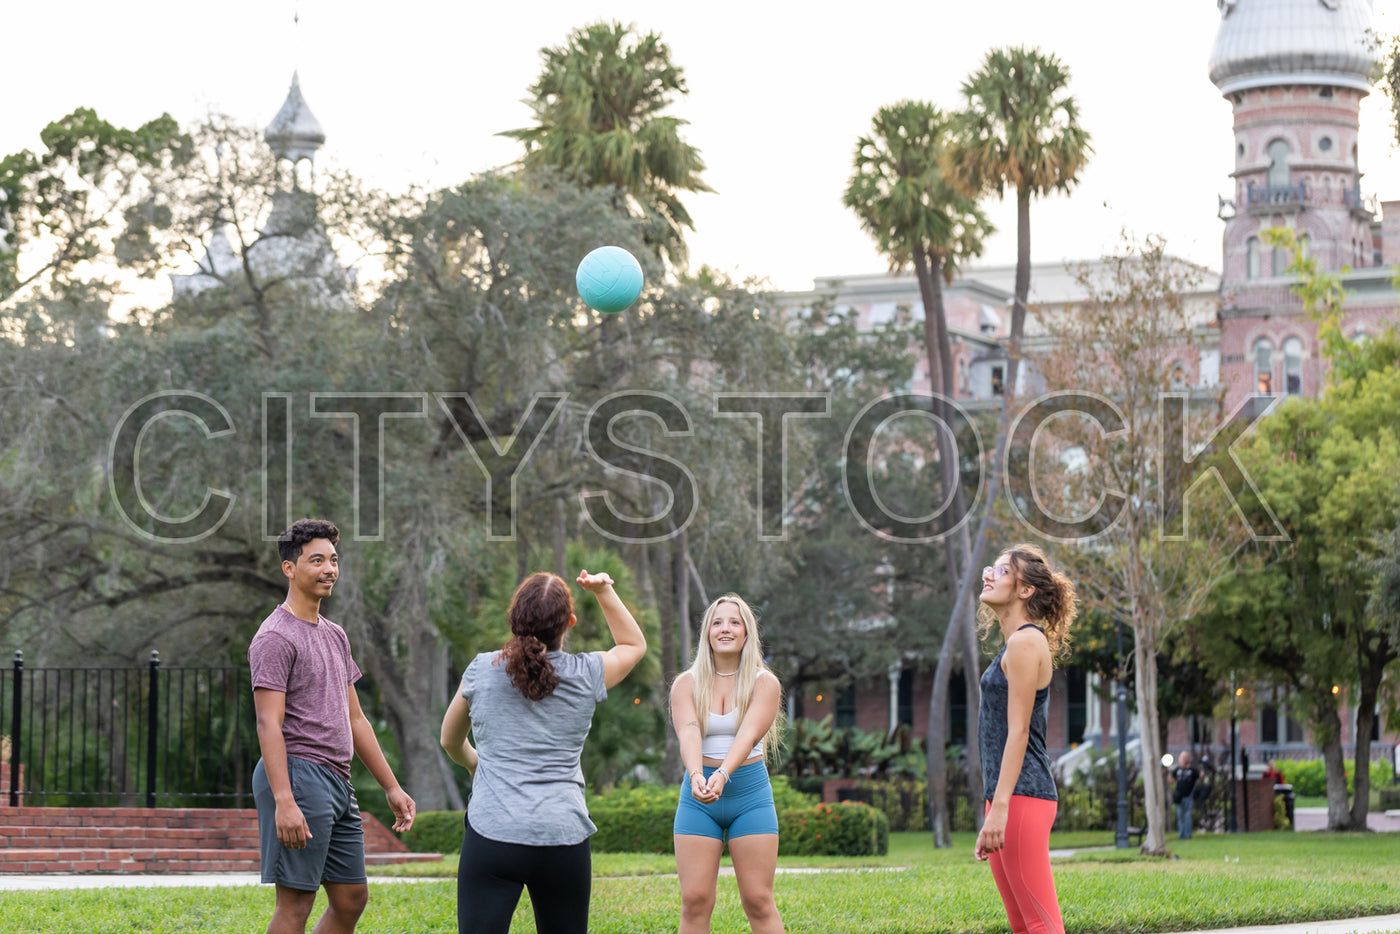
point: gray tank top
(1035, 780)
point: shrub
(846, 829)
(903, 802)
(644, 828)
(435, 832)
(1309, 776)
(1089, 799)
(1389, 799)
(1281, 814)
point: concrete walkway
(1375, 925)
(1316, 819)
(37, 882)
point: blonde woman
(1032, 606)
(726, 710)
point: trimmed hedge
(435, 832)
(640, 820)
(845, 829)
(1309, 776)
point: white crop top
(719, 737)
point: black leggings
(491, 874)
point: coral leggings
(1022, 868)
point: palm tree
(1021, 128)
(905, 202)
(598, 108)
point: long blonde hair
(751, 665)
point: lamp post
(1232, 826)
(1120, 838)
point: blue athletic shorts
(745, 806)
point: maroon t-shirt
(310, 663)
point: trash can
(1286, 792)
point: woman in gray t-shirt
(529, 707)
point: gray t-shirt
(528, 786)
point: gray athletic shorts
(336, 850)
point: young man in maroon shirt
(309, 726)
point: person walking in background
(1033, 608)
(529, 707)
(1185, 777)
(309, 721)
(726, 709)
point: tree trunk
(937, 350)
(1154, 842)
(972, 674)
(680, 578)
(1328, 725)
(559, 536)
(658, 570)
(411, 685)
(937, 757)
(1372, 672)
(1022, 287)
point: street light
(1232, 826)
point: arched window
(1293, 366)
(1305, 246)
(1280, 262)
(1252, 257)
(1278, 164)
(1264, 366)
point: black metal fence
(122, 737)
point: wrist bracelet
(694, 772)
(721, 771)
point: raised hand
(594, 583)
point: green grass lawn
(1215, 881)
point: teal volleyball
(609, 279)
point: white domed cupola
(1266, 43)
(295, 134)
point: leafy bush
(642, 828)
(638, 821)
(1309, 776)
(904, 802)
(434, 832)
(1089, 799)
(846, 829)
(815, 747)
(1390, 799)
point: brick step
(134, 837)
(67, 840)
(194, 859)
(205, 818)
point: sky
(413, 92)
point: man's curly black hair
(300, 532)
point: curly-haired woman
(1032, 606)
(530, 706)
